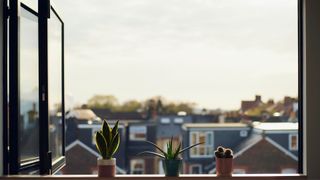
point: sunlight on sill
(205, 176)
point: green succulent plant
(171, 153)
(108, 140)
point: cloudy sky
(211, 52)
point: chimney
(258, 98)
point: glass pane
(209, 139)
(200, 60)
(33, 4)
(55, 85)
(29, 89)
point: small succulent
(108, 140)
(222, 152)
(171, 153)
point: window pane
(55, 85)
(190, 69)
(29, 89)
(33, 4)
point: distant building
(256, 148)
(138, 133)
(282, 111)
(108, 115)
(268, 143)
(200, 159)
(81, 125)
(246, 105)
(81, 159)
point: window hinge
(43, 97)
(7, 12)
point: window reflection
(55, 85)
(29, 90)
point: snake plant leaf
(164, 153)
(177, 152)
(106, 132)
(152, 153)
(115, 129)
(189, 147)
(169, 150)
(101, 144)
(115, 144)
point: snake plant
(108, 140)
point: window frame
(205, 146)
(308, 11)
(59, 162)
(43, 163)
(137, 161)
(16, 165)
(132, 135)
(195, 165)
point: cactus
(228, 153)
(222, 152)
(108, 140)
(171, 153)
(220, 149)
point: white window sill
(189, 177)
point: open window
(35, 106)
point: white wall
(312, 88)
(1, 120)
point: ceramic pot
(224, 167)
(172, 167)
(106, 167)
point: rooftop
(275, 126)
(215, 125)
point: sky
(211, 52)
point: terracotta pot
(224, 167)
(172, 167)
(106, 167)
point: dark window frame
(43, 163)
(5, 63)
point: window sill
(138, 177)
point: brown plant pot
(224, 167)
(106, 167)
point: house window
(202, 150)
(165, 120)
(243, 133)
(178, 120)
(293, 142)
(138, 133)
(137, 166)
(195, 169)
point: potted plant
(224, 162)
(171, 161)
(107, 142)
